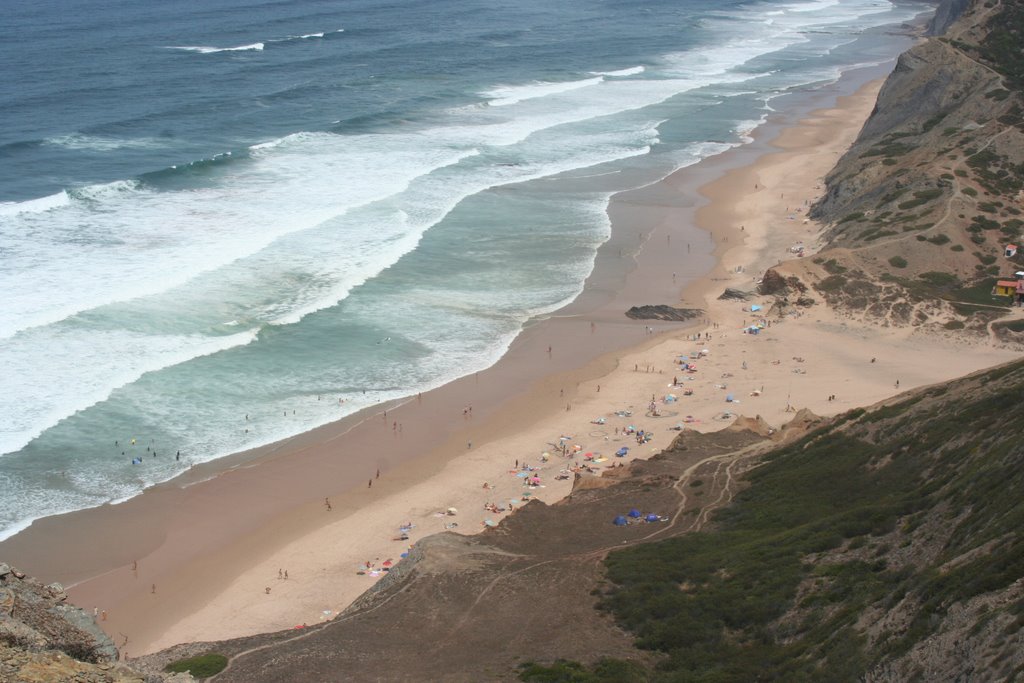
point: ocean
(226, 223)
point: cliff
(920, 209)
(43, 639)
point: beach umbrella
(622, 451)
(620, 521)
(728, 398)
(652, 518)
(634, 513)
(452, 511)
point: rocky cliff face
(946, 13)
(43, 639)
(919, 210)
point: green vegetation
(898, 262)
(832, 267)
(567, 671)
(856, 216)
(920, 197)
(979, 223)
(939, 239)
(970, 191)
(832, 283)
(932, 122)
(954, 325)
(775, 592)
(1002, 45)
(996, 173)
(1013, 325)
(201, 666)
(889, 149)
(940, 279)
(872, 234)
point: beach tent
(622, 451)
(652, 517)
(755, 308)
(634, 513)
(728, 398)
(620, 521)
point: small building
(1010, 251)
(1006, 288)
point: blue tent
(652, 517)
(620, 521)
(634, 513)
(622, 451)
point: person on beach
(327, 504)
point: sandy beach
(291, 534)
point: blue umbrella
(634, 513)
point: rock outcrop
(663, 312)
(43, 639)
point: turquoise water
(291, 211)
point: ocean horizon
(228, 224)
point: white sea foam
(813, 6)
(329, 257)
(125, 240)
(38, 205)
(99, 143)
(202, 49)
(505, 95)
(81, 368)
(631, 71)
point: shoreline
(268, 504)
